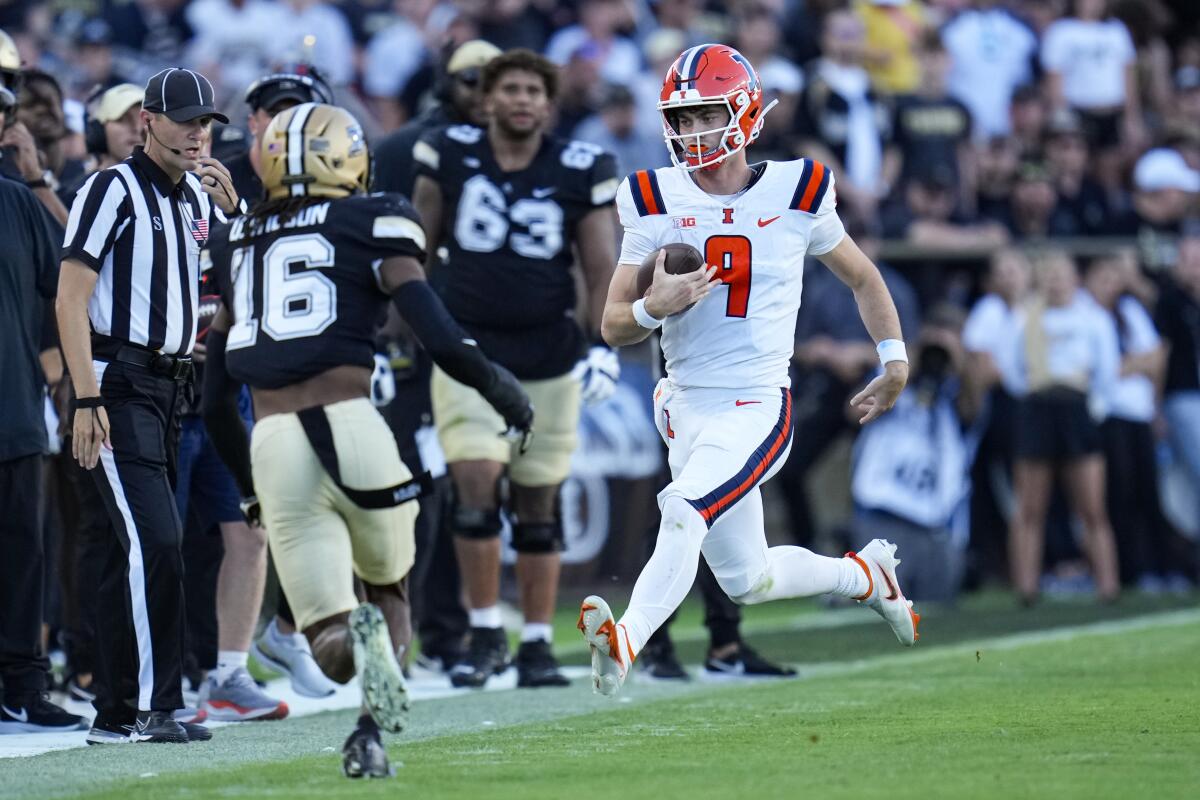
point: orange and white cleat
(611, 657)
(883, 594)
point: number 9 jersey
(304, 293)
(742, 336)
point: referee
(127, 308)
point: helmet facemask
(687, 149)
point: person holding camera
(911, 475)
(127, 310)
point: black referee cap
(182, 95)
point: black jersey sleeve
(588, 174)
(382, 225)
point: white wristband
(644, 317)
(891, 350)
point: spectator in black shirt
(1079, 196)
(1034, 210)
(1178, 320)
(930, 129)
(1164, 189)
(28, 278)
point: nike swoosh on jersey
(762, 223)
(544, 192)
(741, 403)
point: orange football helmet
(712, 74)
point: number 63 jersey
(304, 293)
(741, 336)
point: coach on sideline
(129, 278)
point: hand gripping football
(681, 258)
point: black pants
(23, 665)
(86, 535)
(140, 598)
(1143, 536)
(437, 608)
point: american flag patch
(200, 230)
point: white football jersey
(742, 335)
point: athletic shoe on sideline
(363, 755)
(385, 693)
(195, 733)
(537, 667)
(158, 727)
(35, 713)
(487, 655)
(611, 658)
(878, 558)
(190, 714)
(289, 654)
(745, 663)
(105, 731)
(660, 663)
(239, 699)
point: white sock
(485, 617)
(227, 662)
(535, 631)
(796, 572)
(668, 575)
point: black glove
(508, 397)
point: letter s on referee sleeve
(96, 215)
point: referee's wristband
(643, 317)
(87, 402)
(891, 350)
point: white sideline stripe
(429, 686)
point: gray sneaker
(238, 699)
(290, 655)
(384, 691)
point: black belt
(176, 368)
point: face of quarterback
(519, 104)
(709, 119)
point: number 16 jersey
(742, 335)
(304, 293)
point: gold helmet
(10, 61)
(314, 150)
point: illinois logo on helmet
(316, 150)
(712, 74)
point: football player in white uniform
(724, 408)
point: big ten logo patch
(683, 222)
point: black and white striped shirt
(143, 234)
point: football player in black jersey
(303, 281)
(516, 208)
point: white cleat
(610, 661)
(879, 561)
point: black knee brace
(537, 537)
(474, 523)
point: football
(681, 258)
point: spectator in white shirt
(235, 41)
(1144, 540)
(395, 54)
(1090, 65)
(991, 54)
(1067, 362)
(619, 59)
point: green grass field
(1070, 700)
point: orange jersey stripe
(643, 179)
(814, 183)
(745, 486)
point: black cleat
(196, 732)
(158, 727)
(108, 731)
(363, 755)
(745, 663)
(659, 662)
(537, 667)
(34, 713)
(487, 655)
